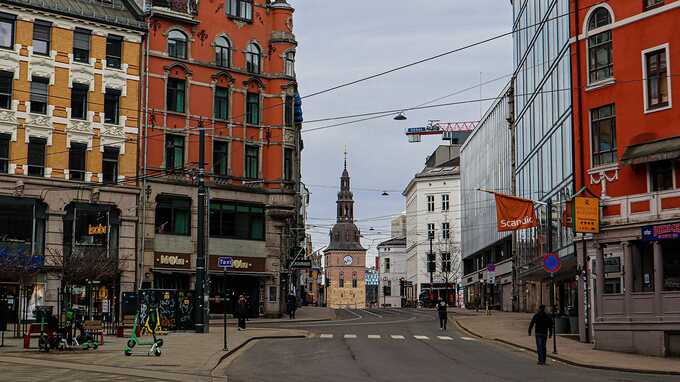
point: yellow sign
(97, 230)
(586, 215)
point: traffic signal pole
(549, 227)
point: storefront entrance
(236, 285)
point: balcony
(182, 10)
(641, 208)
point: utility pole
(201, 273)
(549, 227)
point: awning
(652, 151)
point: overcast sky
(340, 41)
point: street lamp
(400, 117)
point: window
(600, 64)
(177, 44)
(446, 231)
(6, 79)
(79, 101)
(290, 64)
(36, 156)
(176, 95)
(174, 152)
(173, 215)
(649, 4)
(236, 221)
(112, 106)
(110, 164)
(445, 202)
(39, 95)
(387, 265)
(253, 108)
(253, 58)
(7, 30)
(41, 37)
(661, 175)
(430, 203)
(656, 73)
(76, 161)
(221, 103)
(4, 153)
(387, 290)
(341, 280)
(612, 285)
(446, 262)
(222, 52)
(603, 129)
(220, 158)
(81, 45)
(242, 9)
(272, 294)
(114, 51)
(354, 280)
(288, 164)
(252, 162)
(430, 231)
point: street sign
(551, 262)
(586, 215)
(301, 264)
(491, 267)
(225, 262)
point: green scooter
(155, 343)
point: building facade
(433, 208)
(69, 122)
(392, 273)
(226, 67)
(626, 132)
(345, 257)
(486, 162)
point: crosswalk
(394, 337)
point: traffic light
(431, 264)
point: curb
(567, 361)
(249, 340)
(220, 324)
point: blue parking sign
(224, 262)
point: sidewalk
(186, 356)
(303, 314)
(511, 329)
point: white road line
(468, 339)
(326, 336)
(445, 338)
(354, 313)
(397, 337)
(374, 336)
(371, 313)
(421, 337)
(350, 336)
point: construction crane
(456, 132)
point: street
(399, 345)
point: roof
(345, 237)
(121, 13)
(663, 149)
(444, 161)
(396, 241)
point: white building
(392, 272)
(433, 209)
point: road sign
(301, 264)
(225, 262)
(491, 267)
(586, 215)
(551, 262)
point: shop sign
(172, 260)
(612, 264)
(97, 230)
(514, 213)
(586, 215)
(243, 264)
(660, 232)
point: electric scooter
(155, 343)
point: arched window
(222, 52)
(354, 280)
(341, 280)
(290, 64)
(253, 57)
(600, 61)
(177, 44)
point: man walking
(443, 314)
(242, 312)
(292, 305)
(543, 324)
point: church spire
(345, 198)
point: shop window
(252, 169)
(177, 44)
(656, 78)
(110, 164)
(289, 111)
(22, 220)
(81, 45)
(36, 156)
(91, 228)
(290, 64)
(114, 51)
(173, 216)
(253, 58)
(174, 152)
(175, 96)
(6, 79)
(446, 231)
(76, 161)
(603, 130)
(430, 203)
(222, 49)
(39, 94)
(4, 153)
(661, 175)
(221, 103)
(7, 30)
(220, 158)
(612, 285)
(288, 164)
(235, 221)
(79, 101)
(445, 202)
(253, 109)
(41, 37)
(600, 64)
(241, 9)
(112, 106)
(671, 265)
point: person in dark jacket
(544, 326)
(292, 306)
(443, 314)
(242, 312)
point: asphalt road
(400, 345)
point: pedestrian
(242, 312)
(443, 314)
(292, 306)
(543, 324)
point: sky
(341, 41)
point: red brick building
(626, 150)
(227, 66)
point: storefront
(172, 271)
(246, 277)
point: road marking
(374, 336)
(445, 338)
(371, 313)
(421, 337)
(468, 339)
(326, 336)
(350, 336)
(397, 337)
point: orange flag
(513, 213)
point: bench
(95, 328)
